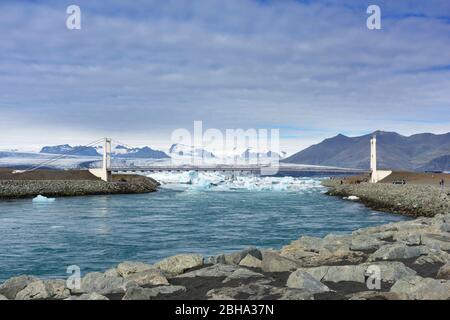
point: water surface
(97, 232)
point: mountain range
(117, 152)
(419, 152)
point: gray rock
(366, 243)
(333, 243)
(397, 251)
(313, 244)
(39, 290)
(235, 258)
(258, 290)
(88, 296)
(242, 273)
(139, 293)
(128, 268)
(216, 259)
(443, 241)
(302, 280)
(113, 272)
(153, 277)
(178, 264)
(250, 262)
(2, 297)
(444, 272)
(217, 270)
(292, 294)
(11, 287)
(102, 284)
(390, 271)
(418, 288)
(378, 295)
(274, 262)
(433, 256)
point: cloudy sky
(137, 70)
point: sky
(138, 70)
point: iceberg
(228, 181)
(42, 199)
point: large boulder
(139, 293)
(378, 295)
(235, 258)
(11, 287)
(418, 288)
(302, 280)
(389, 272)
(128, 268)
(250, 262)
(214, 271)
(441, 240)
(153, 277)
(397, 251)
(40, 290)
(102, 284)
(2, 297)
(274, 262)
(88, 296)
(241, 274)
(444, 272)
(178, 264)
(258, 290)
(366, 243)
(433, 256)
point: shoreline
(411, 200)
(411, 260)
(71, 183)
(407, 260)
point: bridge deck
(253, 169)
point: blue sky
(137, 70)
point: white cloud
(154, 66)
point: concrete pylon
(104, 172)
(376, 175)
(373, 159)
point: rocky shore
(410, 199)
(403, 260)
(13, 189)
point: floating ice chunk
(228, 181)
(42, 199)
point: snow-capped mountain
(137, 153)
(69, 150)
(117, 152)
(179, 149)
(250, 153)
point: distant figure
(342, 182)
(442, 183)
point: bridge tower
(104, 172)
(373, 159)
(376, 175)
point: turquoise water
(97, 232)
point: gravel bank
(408, 260)
(410, 200)
(13, 189)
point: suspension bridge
(107, 167)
